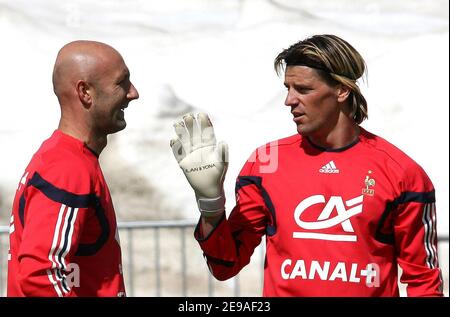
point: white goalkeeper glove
(202, 160)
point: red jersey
(337, 222)
(63, 232)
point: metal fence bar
(171, 224)
(237, 288)
(157, 263)
(210, 284)
(183, 263)
(130, 261)
(156, 226)
(1, 263)
(263, 261)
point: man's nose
(133, 93)
(291, 99)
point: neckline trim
(91, 150)
(341, 149)
(80, 143)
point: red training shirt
(337, 222)
(63, 233)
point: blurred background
(215, 57)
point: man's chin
(121, 125)
(302, 131)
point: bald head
(80, 60)
(92, 83)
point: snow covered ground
(217, 56)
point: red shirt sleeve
(230, 245)
(415, 235)
(55, 206)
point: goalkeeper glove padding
(203, 161)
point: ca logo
(324, 221)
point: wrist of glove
(211, 207)
(203, 161)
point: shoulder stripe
(60, 195)
(248, 180)
(61, 279)
(53, 282)
(56, 236)
(75, 201)
(418, 197)
(429, 222)
(62, 241)
(22, 209)
(68, 236)
(54, 274)
(405, 197)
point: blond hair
(335, 60)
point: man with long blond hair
(341, 208)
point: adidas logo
(330, 167)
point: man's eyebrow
(124, 75)
(301, 85)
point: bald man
(63, 233)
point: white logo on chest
(325, 221)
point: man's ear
(84, 93)
(343, 92)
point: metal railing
(162, 232)
(129, 228)
(188, 251)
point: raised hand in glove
(203, 161)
